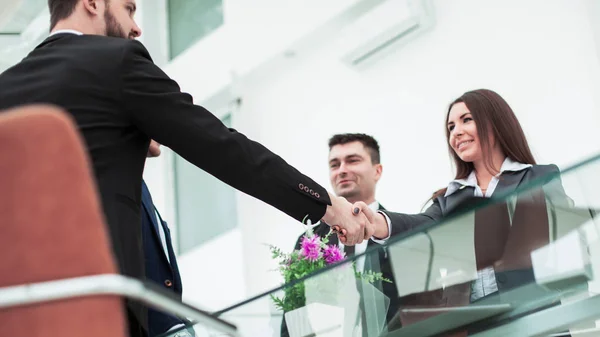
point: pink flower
(333, 254)
(311, 248)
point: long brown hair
(492, 116)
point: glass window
(191, 20)
(205, 206)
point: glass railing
(523, 263)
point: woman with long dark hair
(492, 158)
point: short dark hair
(60, 9)
(367, 141)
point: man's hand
(348, 220)
(380, 225)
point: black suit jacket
(120, 100)
(163, 272)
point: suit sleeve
(155, 104)
(401, 222)
(298, 244)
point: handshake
(356, 222)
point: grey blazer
(531, 224)
(509, 182)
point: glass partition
(522, 263)
(191, 20)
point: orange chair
(52, 226)
(57, 273)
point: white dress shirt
(360, 248)
(163, 236)
(485, 284)
(69, 31)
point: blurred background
(290, 74)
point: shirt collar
(508, 165)
(374, 206)
(67, 31)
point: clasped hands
(354, 223)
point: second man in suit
(354, 171)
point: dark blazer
(377, 262)
(488, 245)
(158, 269)
(120, 100)
(509, 182)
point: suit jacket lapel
(455, 199)
(150, 212)
(323, 230)
(508, 182)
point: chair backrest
(51, 226)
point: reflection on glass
(540, 244)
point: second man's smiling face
(352, 174)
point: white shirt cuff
(389, 224)
(176, 326)
(180, 333)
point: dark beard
(113, 28)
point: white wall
(252, 32)
(538, 54)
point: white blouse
(485, 284)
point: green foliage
(294, 266)
(371, 277)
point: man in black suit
(161, 262)
(354, 170)
(92, 67)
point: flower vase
(318, 319)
